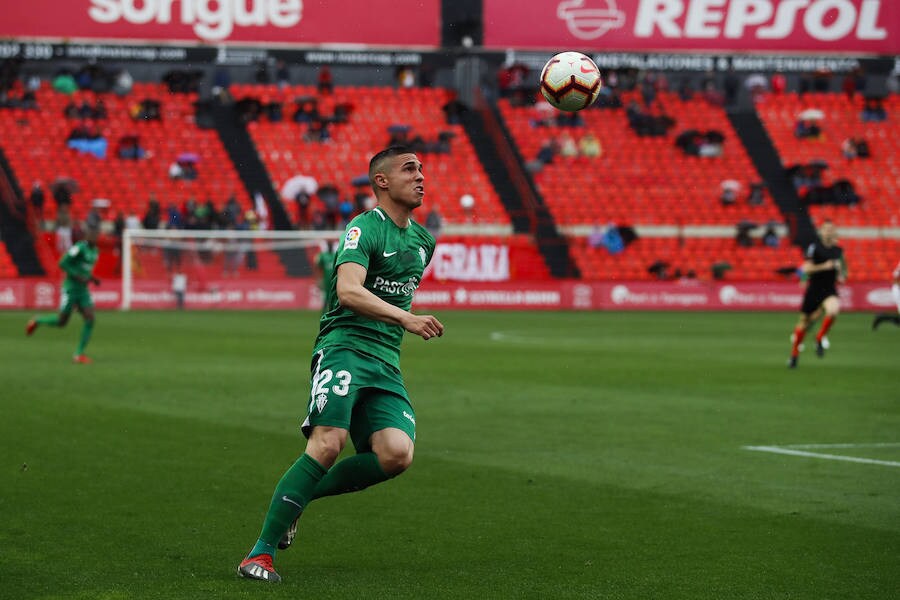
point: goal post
(215, 259)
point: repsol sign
(823, 20)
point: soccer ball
(570, 81)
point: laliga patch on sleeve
(351, 240)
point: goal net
(222, 268)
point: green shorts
(358, 393)
(70, 298)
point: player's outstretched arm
(352, 294)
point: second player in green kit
(78, 265)
(356, 387)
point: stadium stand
(647, 180)
(639, 180)
(35, 142)
(373, 110)
(876, 179)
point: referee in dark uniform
(823, 268)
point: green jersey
(325, 263)
(395, 259)
(78, 262)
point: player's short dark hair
(378, 160)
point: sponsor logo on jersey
(351, 240)
(410, 417)
(396, 287)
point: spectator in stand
(567, 146)
(282, 74)
(130, 148)
(848, 86)
(608, 98)
(731, 86)
(729, 192)
(262, 72)
(589, 146)
(873, 111)
(63, 229)
(119, 226)
(544, 114)
(757, 85)
(94, 218)
(742, 237)
(756, 197)
(569, 119)
(770, 236)
(545, 155)
(822, 80)
(152, 214)
(406, 77)
(317, 131)
(454, 109)
(221, 82)
(307, 110)
(648, 88)
(434, 221)
(324, 80)
(467, 203)
(807, 129)
(100, 113)
(146, 110)
(805, 84)
(251, 223)
(848, 149)
(62, 193)
(184, 169)
(686, 89)
(778, 82)
(274, 111)
(132, 221)
(37, 198)
(231, 211)
(511, 81)
(123, 83)
(330, 197)
(345, 209)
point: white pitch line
(791, 452)
(860, 445)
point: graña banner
(282, 22)
(820, 26)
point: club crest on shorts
(321, 401)
(351, 240)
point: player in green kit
(78, 265)
(356, 389)
(324, 268)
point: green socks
(86, 331)
(352, 474)
(291, 496)
(51, 320)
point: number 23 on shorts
(320, 387)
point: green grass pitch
(560, 455)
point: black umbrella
(64, 182)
